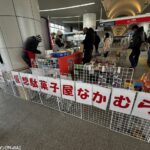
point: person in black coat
(30, 46)
(88, 46)
(148, 59)
(59, 41)
(96, 43)
(137, 40)
(1, 60)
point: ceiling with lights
(119, 8)
(71, 11)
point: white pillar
(19, 19)
(89, 20)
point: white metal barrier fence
(109, 77)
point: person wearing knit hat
(39, 38)
(59, 41)
(30, 49)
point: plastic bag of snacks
(146, 81)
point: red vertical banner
(68, 89)
(122, 100)
(142, 106)
(34, 84)
(84, 93)
(54, 87)
(16, 78)
(25, 80)
(43, 83)
(101, 97)
(1, 76)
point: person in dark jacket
(88, 45)
(30, 49)
(137, 40)
(1, 60)
(85, 30)
(96, 43)
(59, 41)
(148, 60)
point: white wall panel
(16, 54)
(23, 8)
(27, 27)
(42, 49)
(2, 43)
(6, 59)
(6, 7)
(38, 30)
(35, 9)
(10, 30)
(19, 19)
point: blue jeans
(148, 60)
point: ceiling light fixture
(67, 17)
(69, 7)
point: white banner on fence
(43, 83)
(101, 97)
(1, 77)
(54, 87)
(122, 100)
(142, 106)
(84, 93)
(25, 80)
(34, 84)
(68, 89)
(16, 78)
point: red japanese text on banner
(34, 84)
(54, 87)
(16, 78)
(1, 77)
(142, 106)
(84, 93)
(25, 80)
(101, 97)
(122, 100)
(43, 83)
(67, 89)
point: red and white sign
(101, 97)
(122, 100)
(142, 106)
(43, 83)
(132, 20)
(68, 89)
(1, 77)
(54, 87)
(16, 78)
(84, 93)
(25, 80)
(34, 84)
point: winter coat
(106, 45)
(31, 44)
(138, 38)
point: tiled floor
(34, 127)
(142, 66)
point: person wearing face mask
(88, 45)
(59, 41)
(30, 49)
(138, 38)
(106, 46)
